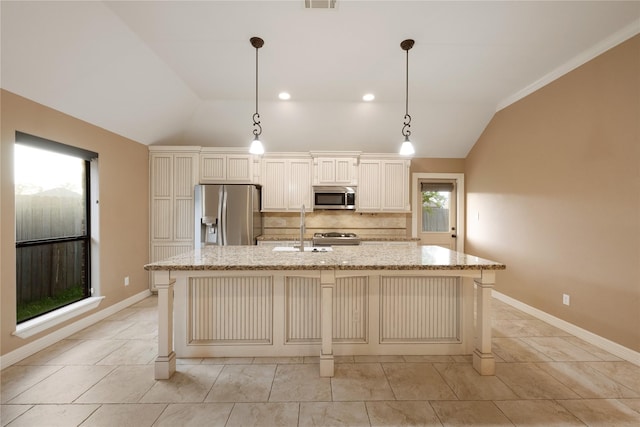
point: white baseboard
(603, 343)
(62, 333)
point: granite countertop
(341, 258)
(288, 237)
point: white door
(437, 218)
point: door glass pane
(436, 200)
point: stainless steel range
(335, 239)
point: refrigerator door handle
(222, 214)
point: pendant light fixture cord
(257, 130)
(406, 45)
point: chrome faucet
(302, 229)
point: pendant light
(407, 148)
(256, 146)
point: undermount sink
(306, 249)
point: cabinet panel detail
(212, 168)
(162, 219)
(238, 168)
(230, 310)
(343, 170)
(420, 309)
(326, 170)
(369, 191)
(161, 178)
(183, 176)
(350, 309)
(303, 309)
(183, 224)
(299, 188)
(394, 179)
(273, 191)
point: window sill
(49, 320)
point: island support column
(327, 284)
(165, 364)
(483, 360)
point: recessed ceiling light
(284, 96)
(368, 97)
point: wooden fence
(435, 219)
(46, 270)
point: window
(53, 225)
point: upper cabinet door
(384, 185)
(395, 177)
(300, 185)
(335, 171)
(274, 180)
(213, 168)
(239, 168)
(286, 184)
(369, 195)
(226, 168)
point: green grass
(35, 308)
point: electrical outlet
(566, 300)
(126, 281)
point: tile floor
(103, 376)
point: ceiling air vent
(320, 4)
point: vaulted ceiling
(180, 72)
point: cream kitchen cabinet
(383, 185)
(217, 167)
(286, 184)
(335, 170)
(173, 174)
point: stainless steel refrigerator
(227, 214)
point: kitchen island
(247, 301)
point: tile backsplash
(363, 224)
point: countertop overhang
(341, 258)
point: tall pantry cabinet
(174, 172)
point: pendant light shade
(256, 146)
(407, 147)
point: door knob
(454, 236)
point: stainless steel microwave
(334, 197)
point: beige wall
(426, 165)
(553, 191)
(124, 206)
